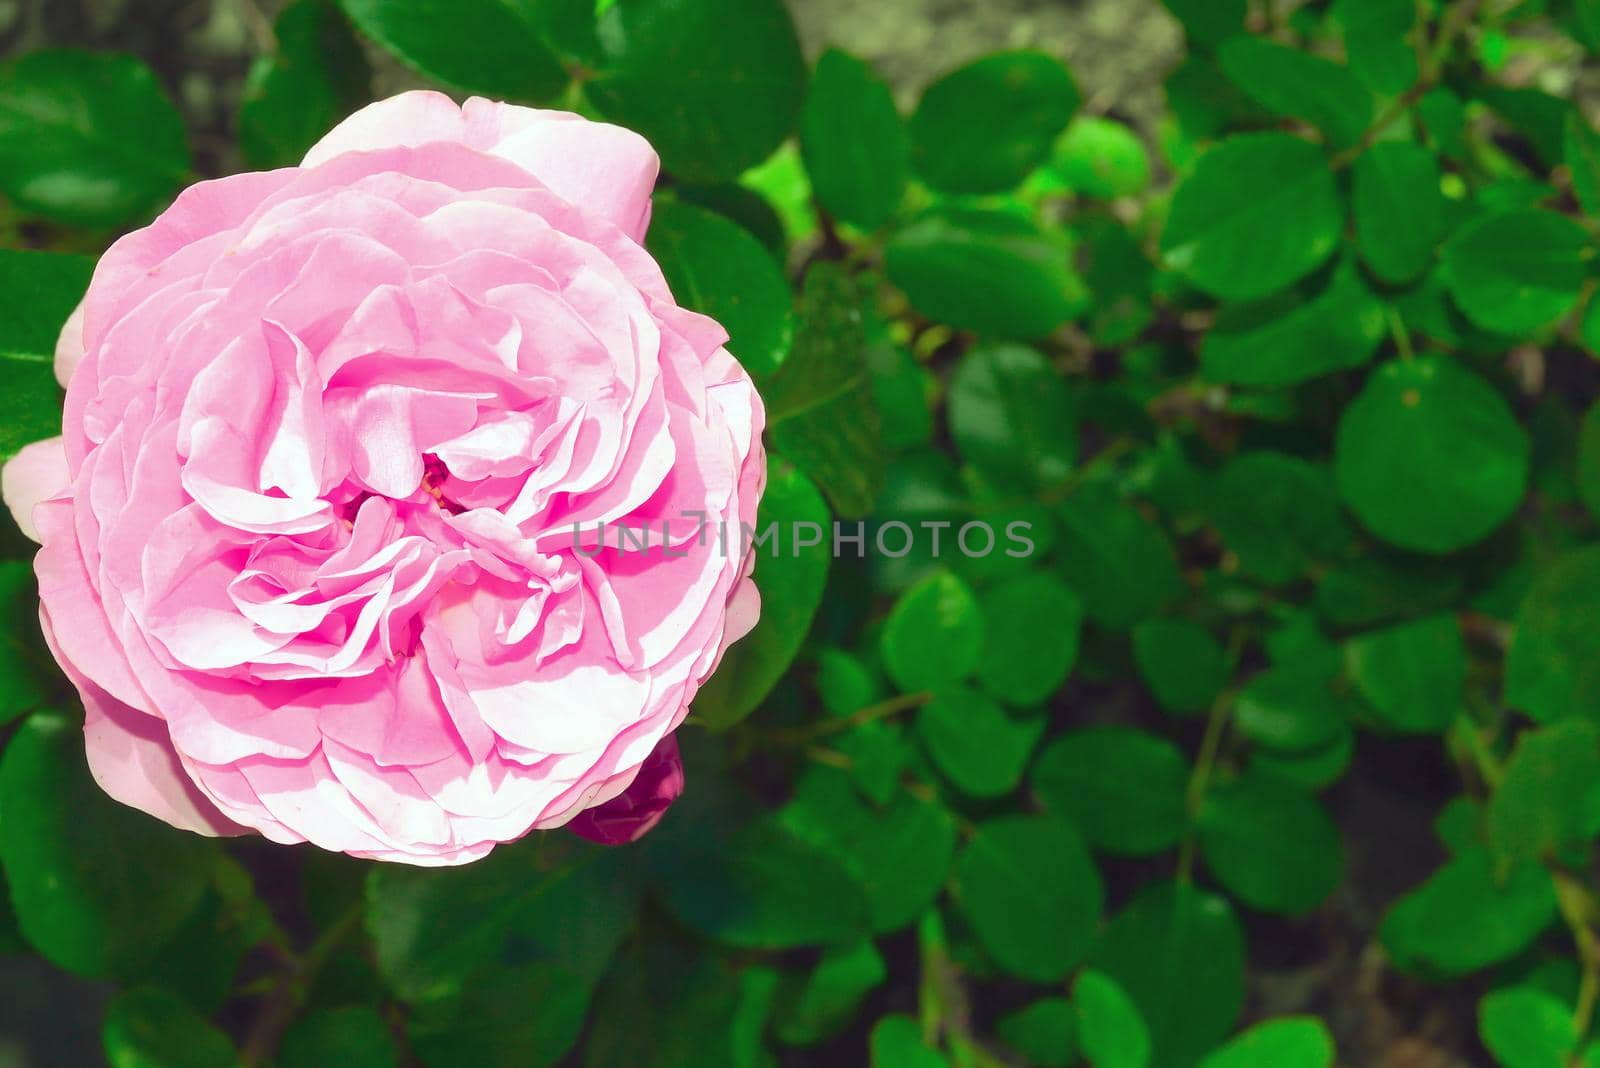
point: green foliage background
(1284, 748)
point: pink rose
(627, 817)
(309, 548)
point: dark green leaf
(899, 853)
(1582, 153)
(1258, 212)
(897, 1043)
(716, 267)
(1209, 22)
(715, 85)
(791, 585)
(1123, 788)
(88, 138)
(993, 272)
(1429, 456)
(150, 1028)
(97, 887)
(934, 636)
(1181, 662)
(1031, 626)
(1551, 670)
(1042, 1032)
(1032, 893)
(351, 1037)
(1549, 797)
(1012, 417)
(1279, 514)
(1516, 271)
(317, 75)
(1120, 563)
(982, 128)
(1272, 846)
(483, 46)
(1469, 915)
(830, 994)
(1178, 952)
(1283, 342)
(856, 148)
(821, 404)
(1287, 81)
(1376, 45)
(978, 745)
(1399, 209)
(1289, 707)
(1411, 673)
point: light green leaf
(1110, 1030)
(1287, 1042)
(934, 636)
(1101, 158)
(978, 745)
(1525, 1027)
(1469, 915)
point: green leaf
(1525, 1027)
(760, 887)
(1376, 45)
(1031, 627)
(1516, 271)
(1283, 341)
(715, 267)
(1258, 212)
(1110, 1030)
(830, 994)
(1289, 707)
(899, 853)
(1429, 456)
(791, 585)
(434, 932)
(1043, 1032)
(1399, 210)
(482, 46)
(934, 636)
(1272, 846)
(1549, 797)
(1101, 158)
(1412, 674)
(1468, 915)
(316, 76)
(1120, 563)
(821, 405)
(1184, 666)
(680, 1005)
(1123, 788)
(715, 85)
(1032, 893)
(992, 272)
(1551, 671)
(1012, 417)
(352, 1037)
(1279, 514)
(1588, 472)
(979, 746)
(1209, 22)
(38, 290)
(1582, 152)
(1287, 1042)
(97, 887)
(150, 1028)
(896, 1042)
(88, 138)
(1289, 82)
(983, 127)
(1178, 952)
(856, 148)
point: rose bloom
(311, 535)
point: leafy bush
(1290, 392)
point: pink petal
(35, 474)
